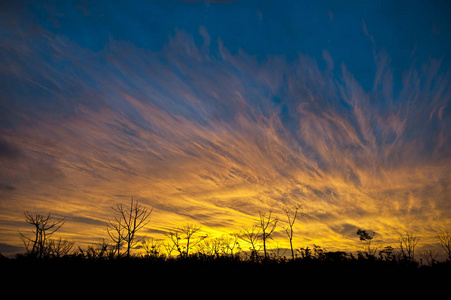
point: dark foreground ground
(221, 277)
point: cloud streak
(214, 137)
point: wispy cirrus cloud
(209, 136)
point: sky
(212, 112)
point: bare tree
(444, 239)
(430, 256)
(44, 228)
(125, 227)
(251, 236)
(267, 226)
(116, 232)
(407, 243)
(185, 238)
(291, 216)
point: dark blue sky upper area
(407, 30)
(356, 34)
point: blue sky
(212, 111)
(350, 33)
(349, 30)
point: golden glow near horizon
(221, 153)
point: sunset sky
(213, 111)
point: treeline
(188, 243)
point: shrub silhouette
(196, 251)
(185, 238)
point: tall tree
(407, 244)
(444, 239)
(116, 232)
(267, 226)
(291, 216)
(130, 220)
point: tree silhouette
(267, 226)
(184, 238)
(125, 227)
(189, 239)
(367, 238)
(251, 236)
(291, 216)
(116, 232)
(430, 256)
(407, 243)
(44, 228)
(444, 239)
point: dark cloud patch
(8, 151)
(153, 231)
(86, 220)
(345, 229)
(352, 177)
(7, 188)
(215, 222)
(10, 250)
